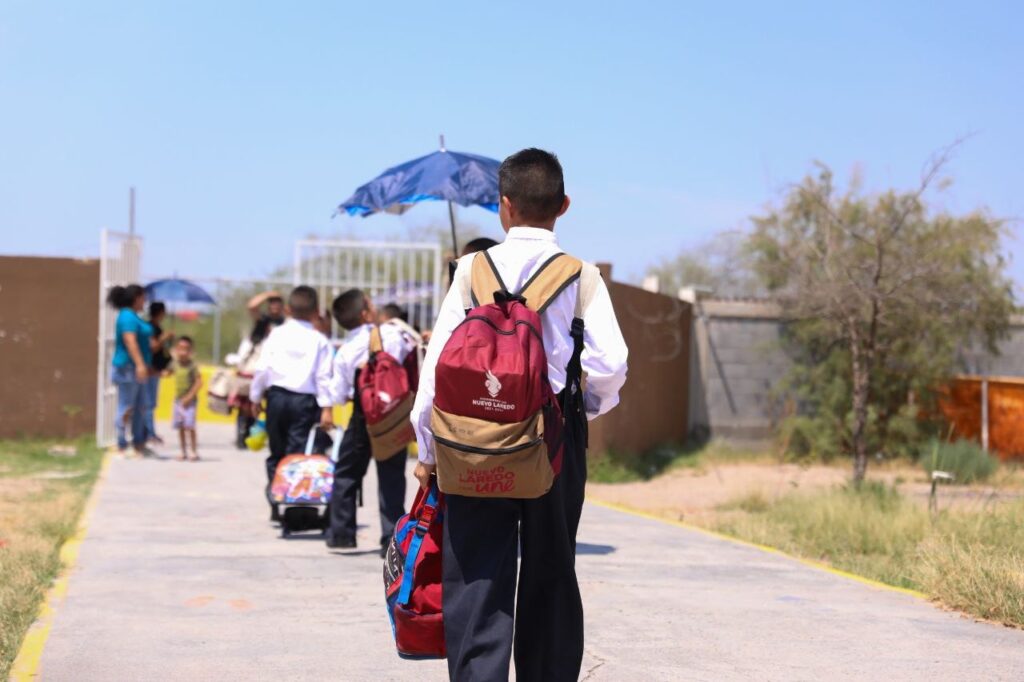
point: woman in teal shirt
(131, 361)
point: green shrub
(966, 460)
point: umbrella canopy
(455, 177)
(464, 179)
(177, 291)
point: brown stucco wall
(48, 332)
(653, 407)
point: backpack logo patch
(492, 384)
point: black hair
(275, 299)
(303, 302)
(393, 310)
(156, 308)
(124, 297)
(532, 180)
(479, 244)
(187, 339)
(260, 330)
(348, 309)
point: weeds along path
(181, 577)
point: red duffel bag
(412, 578)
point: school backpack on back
(497, 423)
(386, 399)
(412, 578)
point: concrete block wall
(737, 362)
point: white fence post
(984, 413)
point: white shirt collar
(302, 323)
(535, 233)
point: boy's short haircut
(532, 180)
(186, 339)
(303, 302)
(275, 299)
(480, 244)
(157, 308)
(348, 309)
(393, 310)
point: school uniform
(354, 455)
(482, 535)
(294, 373)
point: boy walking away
(294, 371)
(492, 511)
(364, 342)
(187, 382)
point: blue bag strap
(429, 506)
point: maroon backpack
(497, 422)
(386, 399)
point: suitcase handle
(335, 441)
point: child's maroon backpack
(386, 399)
(496, 421)
(412, 578)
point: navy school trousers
(353, 461)
(481, 539)
(290, 416)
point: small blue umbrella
(177, 291)
(455, 177)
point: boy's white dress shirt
(524, 250)
(296, 357)
(355, 352)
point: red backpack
(386, 399)
(412, 578)
(497, 422)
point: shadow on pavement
(597, 550)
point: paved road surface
(182, 578)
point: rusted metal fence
(989, 410)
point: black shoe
(275, 516)
(341, 543)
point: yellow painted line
(764, 548)
(26, 665)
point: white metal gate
(406, 274)
(120, 256)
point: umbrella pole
(451, 219)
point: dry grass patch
(968, 559)
(37, 515)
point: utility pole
(131, 212)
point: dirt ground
(694, 494)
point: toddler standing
(187, 382)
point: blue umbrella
(177, 291)
(455, 177)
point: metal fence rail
(406, 274)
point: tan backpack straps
(376, 345)
(478, 283)
(589, 278)
(485, 280)
(550, 280)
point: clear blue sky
(243, 124)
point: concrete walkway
(181, 577)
